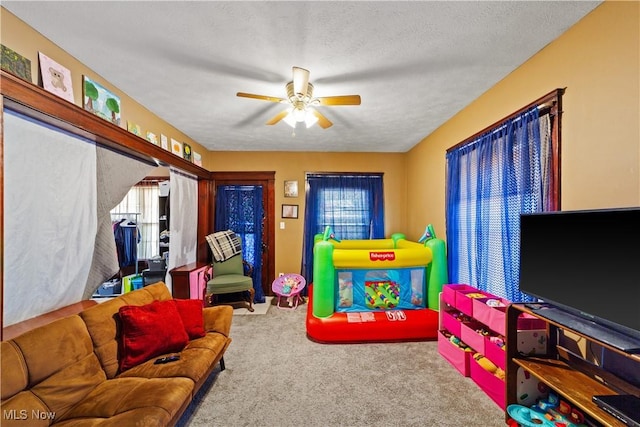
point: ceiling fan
(301, 102)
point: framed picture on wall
(291, 189)
(290, 211)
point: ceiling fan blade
(340, 100)
(300, 81)
(323, 122)
(262, 97)
(278, 117)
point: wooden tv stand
(573, 378)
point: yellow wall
(293, 166)
(598, 61)
(20, 37)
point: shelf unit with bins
(456, 301)
(571, 377)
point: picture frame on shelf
(176, 147)
(290, 211)
(291, 189)
(14, 63)
(197, 159)
(100, 101)
(186, 151)
(152, 137)
(134, 128)
(56, 78)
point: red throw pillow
(150, 330)
(191, 313)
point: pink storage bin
(493, 386)
(495, 353)
(454, 355)
(450, 323)
(493, 317)
(470, 337)
(462, 301)
(449, 294)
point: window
(492, 177)
(351, 204)
(142, 199)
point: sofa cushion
(196, 361)
(139, 402)
(59, 364)
(103, 322)
(191, 313)
(150, 330)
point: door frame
(267, 180)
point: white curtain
(183, 227)
(50, 219)
(116, 173)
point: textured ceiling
(415, 64)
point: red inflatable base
(378, 326)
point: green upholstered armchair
(230, 278)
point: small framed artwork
(197, 159)
(186, 151)
(100, 101)
(55, 78)
(291, 189)
(152, 137)
(134, 128)
(176, 147)
(14, 63)
(289, 211)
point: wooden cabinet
(571, 376)
(188, 281)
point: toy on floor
(376, 290)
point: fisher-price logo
(382, 256)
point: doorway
(252, 218)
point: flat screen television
(587, 264)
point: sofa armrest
(218, 319)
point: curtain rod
(544, 102)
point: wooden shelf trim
(34, 101)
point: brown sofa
(66, 373)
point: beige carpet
(262, 308)
(277, 377)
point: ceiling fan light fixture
(290, 118)
(310, 119)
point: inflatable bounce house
(376, 290)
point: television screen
(585, 262)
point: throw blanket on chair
(224, 245)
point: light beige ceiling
(415, 64)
